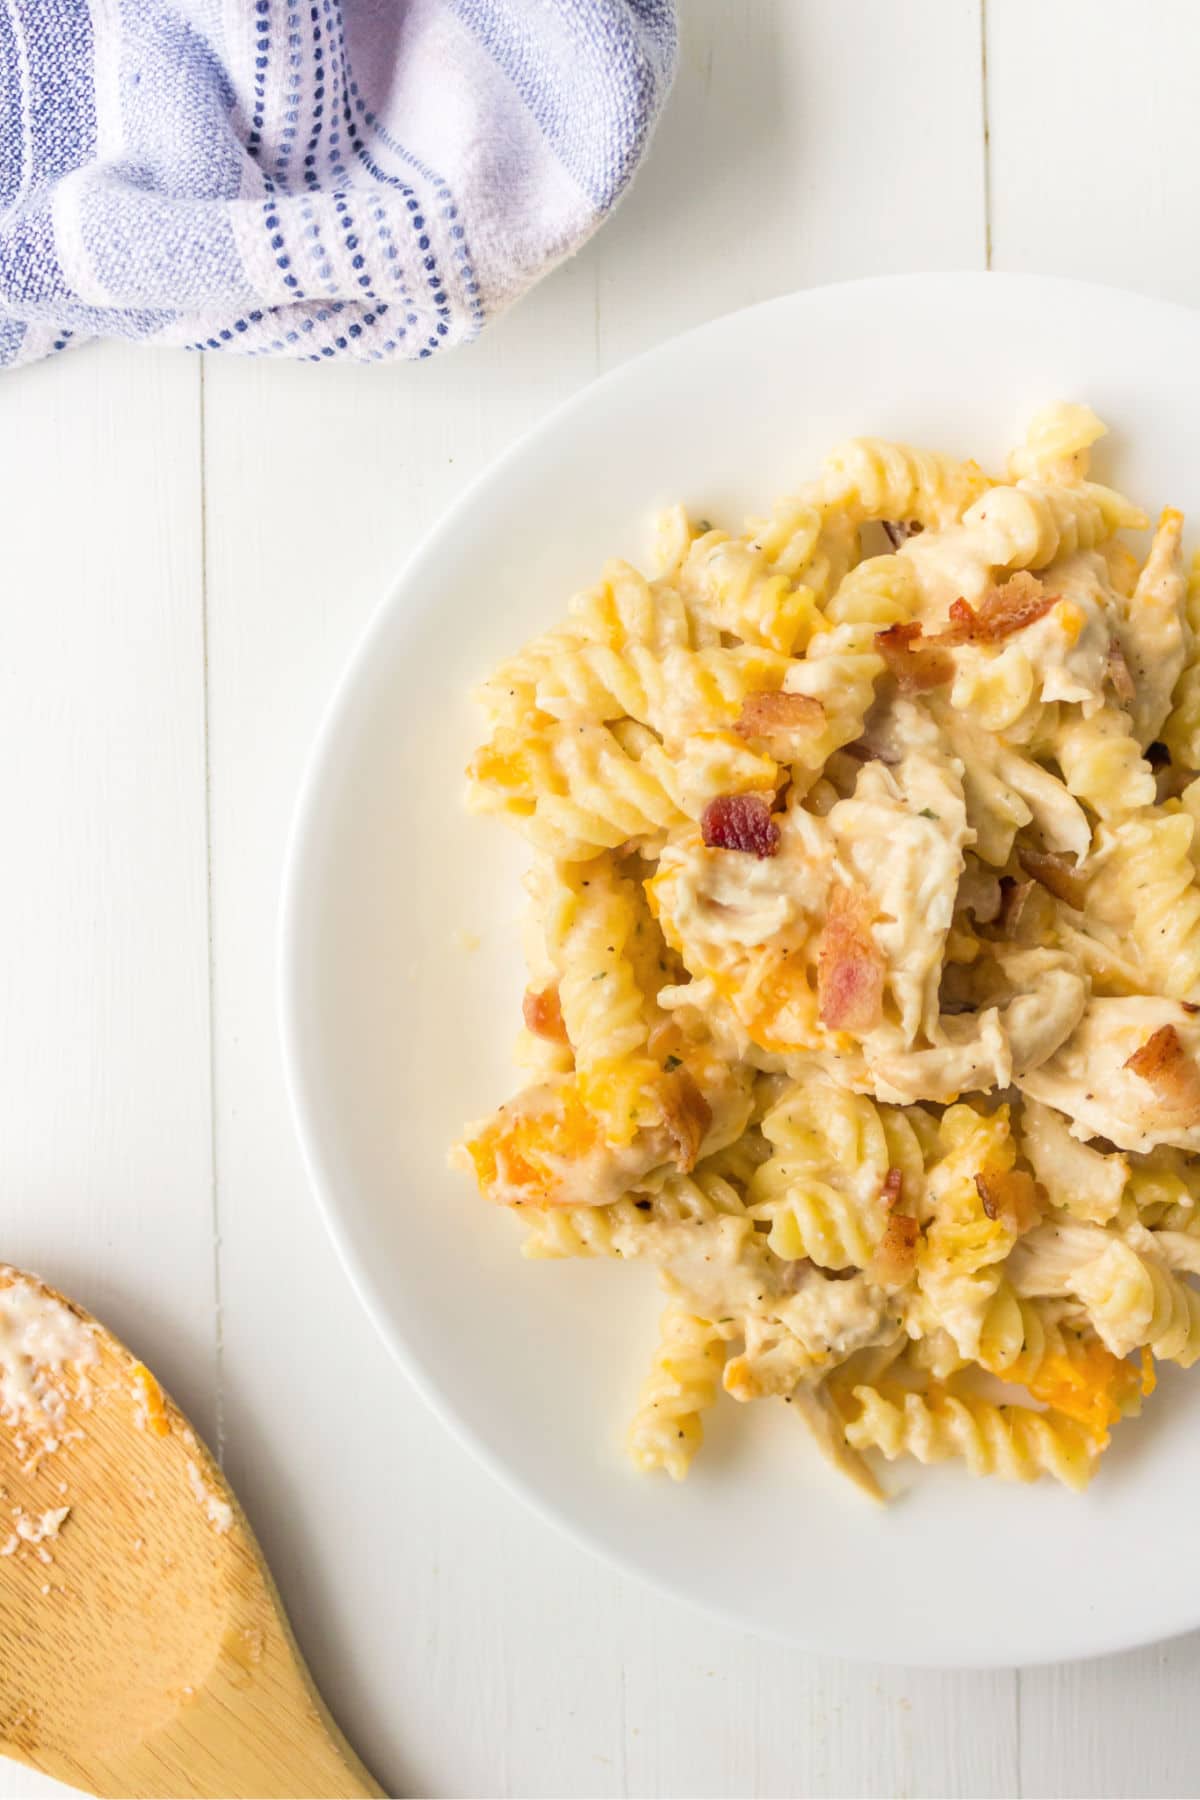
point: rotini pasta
(1057, 444)
(892, 481)
(864, 956)
(666, 1430)
(1016, 1443)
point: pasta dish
(864, 955)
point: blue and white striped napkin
(362, 179)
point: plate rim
(323, 1187)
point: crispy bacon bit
(915, 666)
(1163, 1062)
(850, 968)
(766, 713)
(1057, 874)
(1010, 1195)
(1018, 602)
(1118, 671)
(896, 1256)
(740, 822)
(892, 1191)
(687, 1117)
(899, 529)
(543, 1015)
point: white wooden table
(191, 548)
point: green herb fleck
(600, 976)
(672, 1062)
(927, 812)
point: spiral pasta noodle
(893, 481)
(1012, 1442)
(666, 1430)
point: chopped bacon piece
(1163, 1062)
(915, 666)
(850, 968)
(896, 1255)
(687, 1117)
(1018, 602)
(892, 1191)
(765, 713)
(543, 1015)
(1011, 1196)
(899, 529)
(1057, 874)
(1118, 671)
(740, 822)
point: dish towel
(356, 179)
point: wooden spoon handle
(257, 1730)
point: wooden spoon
(143, 1647)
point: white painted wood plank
(807, 141)
(1095, 141)
(105, 1161)
(466, 1647)
(1121, 1726)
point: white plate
(395, 1033)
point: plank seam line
(987, 134)
(218, 1308)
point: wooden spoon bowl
(143, 1646)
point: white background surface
(191, 550)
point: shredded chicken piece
(851, 967)
(1165, 1065)
(1057, 874)
(914, 664)
(543, 1015)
